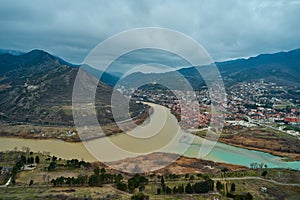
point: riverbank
(66, 133)
(160, 130)
(260, 139)
(285, 155)
(69, 134)
(180, 164)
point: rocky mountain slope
(36, 87)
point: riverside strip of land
(221, 152)
(65, 158)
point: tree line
(71, 164)
(98, 178)
(190, 188)
(29, 159)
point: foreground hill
(36, 87)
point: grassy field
(273, 191)
(47, 192)
(42, 188)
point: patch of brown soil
(174, 164)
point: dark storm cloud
(148, 57)
(226, 29)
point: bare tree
(44, 177)
(48, 179)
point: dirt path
(6, 184)
(258, 178)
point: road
(242, 178)
(248, 178)
(260, 124)
(6, 184)
(257, 178)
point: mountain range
(36, 87)
(282, 68)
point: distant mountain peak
(37, 51)
(32, 59)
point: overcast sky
(226, 29)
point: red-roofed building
(292, 119)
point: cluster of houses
(258, 101)
(264, 101)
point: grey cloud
(150, 57)
(226, 29)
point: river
(160, 133)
